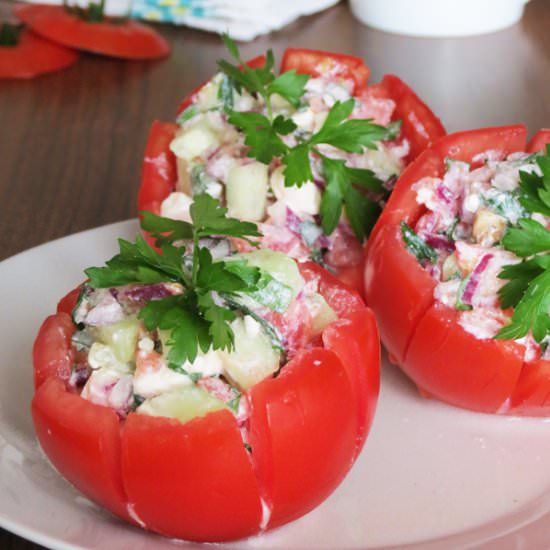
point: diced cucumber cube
(184, 404)
(121, 337)
(322, 313)
(278, 265)
(246, 191)
(191, 142)
(253, 357)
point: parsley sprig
(528, 286)
(198, 318)
(264, 136)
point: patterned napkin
(243, 19)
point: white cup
(438, 17)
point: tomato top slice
(127, 39)
(33, 56)
(315, 62)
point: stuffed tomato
(204, 394)
(457, 271)
(310, 154)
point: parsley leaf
(260, 135)
(297, 166)
(531, 237)
(352, 136)
(528, 286)
(535, 189)
(196, 316)
(362, 212)
(289, 85)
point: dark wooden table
(71, 143)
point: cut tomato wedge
(125, 39)
(33, 56)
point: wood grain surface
(71, 143)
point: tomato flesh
(127, 39)
(33, 56)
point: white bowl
(438, 17)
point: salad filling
(191, 330)
(278, 153)
(469, 240)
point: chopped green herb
(417, 245)
(535, 189)
(188, 114)
(460, 305)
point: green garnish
(535, 189)
(417, 245)
(460, 305)
(9, 34)
(198, 317)
(188, 114)
(264, 136)
(528, 286)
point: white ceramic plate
(430, 476)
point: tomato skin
(158, 173)
(303, 432)
(174, 481)
(305, 61)
(445, 360)
(419, 125)
(424, 336)
(52, 353)
(128, 39)
(83, 442)
(539, 141)
(68, 302)
(531, 396)
(351, 340)
(196, 480)
(397, 290)
(33, 56)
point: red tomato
(127, 39)
(33, 56)
(539, 141)
(420, 127)
(196, 480)
(423, 336)
(315, 62)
